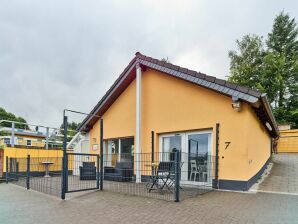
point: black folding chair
(161, 177)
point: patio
(165, 178)
(52, 186)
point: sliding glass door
(196, 155)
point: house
(161, 107)
(28, 138)
(22, 137)
(18, 143)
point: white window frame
(184, 149)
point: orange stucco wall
(258, 144)
(172, 105)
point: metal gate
(81, 173)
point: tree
(283, 44)
(71, 125)
(271, 67)
(4, 115)
(71, 129)
(246, 63)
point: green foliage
(71, 125)
(271, 67)
(4, 115)
(71, 129)
(246, 64)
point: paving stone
(284, 174)
(18, 205)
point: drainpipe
(47, 138)
(12, 133)
(138, 122)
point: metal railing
(167, 176)
(41, 174)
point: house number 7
(227, 144)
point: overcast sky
(60, 54)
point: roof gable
(248, 95)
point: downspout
(138, 122)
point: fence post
(217, 154)
(152, 146)
(28, 173)
(177, 176)
(63, 183)
(97, 171)
(6, 174)
(101, 154)
(66, 173)
(10, 165)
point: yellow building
(155, 105)
(22, 137)
(16, 144)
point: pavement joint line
(277, 192)
(234, 191)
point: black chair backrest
(165, 167)
(123, 165)
(88, 165)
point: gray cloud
(65, 54)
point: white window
(119, 150)
(29, 142)
(6, 141)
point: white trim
(138, 122)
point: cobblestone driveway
(284, 174)
(21, 206)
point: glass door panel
(112, 152)
(127, 150)
(170, 144)
(198, 157)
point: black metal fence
(45, 174)
(168, 176)
(42, 174)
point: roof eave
(267, 106)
